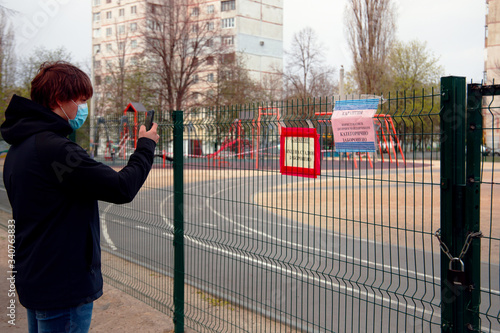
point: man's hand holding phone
(148, 130)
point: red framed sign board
(300, 152)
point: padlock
(457, 277)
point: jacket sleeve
(71, 168)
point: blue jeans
(69, 320)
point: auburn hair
(60, 81)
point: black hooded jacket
(53, 186)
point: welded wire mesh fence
(489, 212)
(352, 250)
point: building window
(133, 43)
(97, 33)
(109, 65)
(227, 23)
(97, 17)
(210, 60)
(210, 26)
(195, 11)
(133, 61)
(97, 48)
(108, 80)
(210, 9)
(109, 15)
(121, 12)
(133, 10)
(109, 47)
(153, 8)
(121, 29)
(210, 77)
(227, 5)
(228, 40)
(121, 46)
(97, 80)
(133, 26)
(227, 75)
(109, 31)
(97, 2)
(195, 78)
(228, 58)
(97, 64)
(153, 25)
(194, 28)
(108, 1)
(209, 42)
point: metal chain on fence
(465, 248)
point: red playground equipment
(134, 107)
(128, 132)
(239, 144)
(387, 137)
(386, 130)
(265, 111)
(234, 142)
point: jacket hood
(23, 118)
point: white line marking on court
(104, 228)
(312, 249)
(118, 222)
(365, 262)
(346, 257)
(374, 297)
(244, 232)
(270, 222)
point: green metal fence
(223, 242)
(483, 214)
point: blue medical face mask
(81, 116)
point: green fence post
(472, 258)
(178, 165)
(453, 124)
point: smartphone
(150, 115)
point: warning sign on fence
(352, 124)
(300, 153)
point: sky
(453, 29)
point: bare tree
(7, 60)
(30, 65)
(6, 51)
(177, 36)
(231, 83)
(370, 26)
(307, 74)
(116, 70)
(271, 87)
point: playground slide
(223, 147)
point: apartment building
(491, 115)
(252, 29)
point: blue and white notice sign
(353, 127)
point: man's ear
(57, 104)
